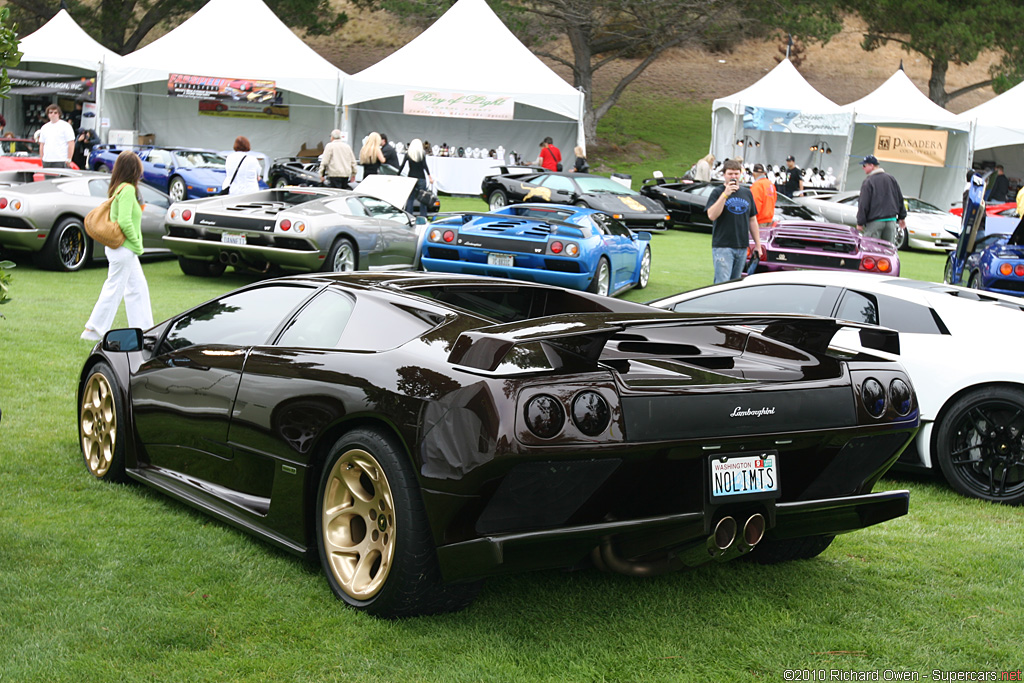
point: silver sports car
(41, 211)
(297, 229)
(928, 227)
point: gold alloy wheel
(99, 425)
(358, 522)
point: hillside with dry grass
(840, 69)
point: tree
(601, 32)
(946, 31)
(10, 57)
(122, 25)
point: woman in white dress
(242, 171)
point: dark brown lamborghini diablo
(419, 432)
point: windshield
(602, 185)
(918, 206)
(197, 159)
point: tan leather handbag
(99, 226)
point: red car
(16, 153)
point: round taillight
(883, 265)
(556, 247)
(1019, 270)
(3, 202)
(873, 396)
(571, 249)
(300, 227)
(435, 235)
(867, 263)
(186, 215)
(174, 213)
(590, 413)
(544, 416)
(448, 236)
(901, 396)
(1005, 268)
(16, 204)
(286, 224)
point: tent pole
(847, 155)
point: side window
(243, 319)
(378, 208)
(319, 324)
(558, 182)
(98, 187)
(776, 299)
(851, 201)
(355, 207)
(151, 196)
(907, 316)
(858, 308)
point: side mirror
(644, 236)
(123, 340)
(159, 165)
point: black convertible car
(294, 171)
(687, 203)
(418, 432)
(530, 184)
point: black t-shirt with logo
(792, 184)
(732, 228)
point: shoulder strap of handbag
(237, 169)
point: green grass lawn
(102, 582)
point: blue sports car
(182, 173)
(990, 251)
(568, 246)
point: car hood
(394, 189)
(624, 203)
(934, 222)
(202, 176)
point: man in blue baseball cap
(880, 209)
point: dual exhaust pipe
(230, 258)
(726, 541)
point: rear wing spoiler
(576, 341)
(466, 216)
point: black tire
(102, 429)
(497, 200)
(602, 282)
(582, 205)
(191, 266)
(975, 281)
(101, 168)
(372, 533)
(342, 257)
(978, 444)
(176, 189)
(67, 248)
(644, 276)
(902, 238)
(281, 181)
(947, 272)
(770, 551)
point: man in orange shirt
(765, 195)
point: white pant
(125, 279)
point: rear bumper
(516, 552)
(579, 281)
(209, 250)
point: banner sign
(458, 105)
(792, 121)
(38, 83)
(244, 110)
(911, 146)
(208, 87)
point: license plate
(743, 477)
(232, 238)
(503, 260)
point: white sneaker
(91, 335)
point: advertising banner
(911, 146)
(458, 105)
(243, 110)
(792, 121)
(38, 83)
(210, 88)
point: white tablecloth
(454, 175)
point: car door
(154, 166)
(154, 210)
(620, 249)
(561, 190)
(182, 397)
(529, 189)
(398, 237)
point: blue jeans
(728, 262)
(421, 184)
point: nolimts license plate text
(754, 476)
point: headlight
(544, 416)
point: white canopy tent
(237, 39)
(999, 131)
(780, 115)
(468, 53)
(60, 46)
(899, 103)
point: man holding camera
(733, 214)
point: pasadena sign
(458, 105)
(911, 146)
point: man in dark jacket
(880, 208)
(390, 155)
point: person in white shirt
(242, 172)
(56, 140)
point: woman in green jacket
(125, 279)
